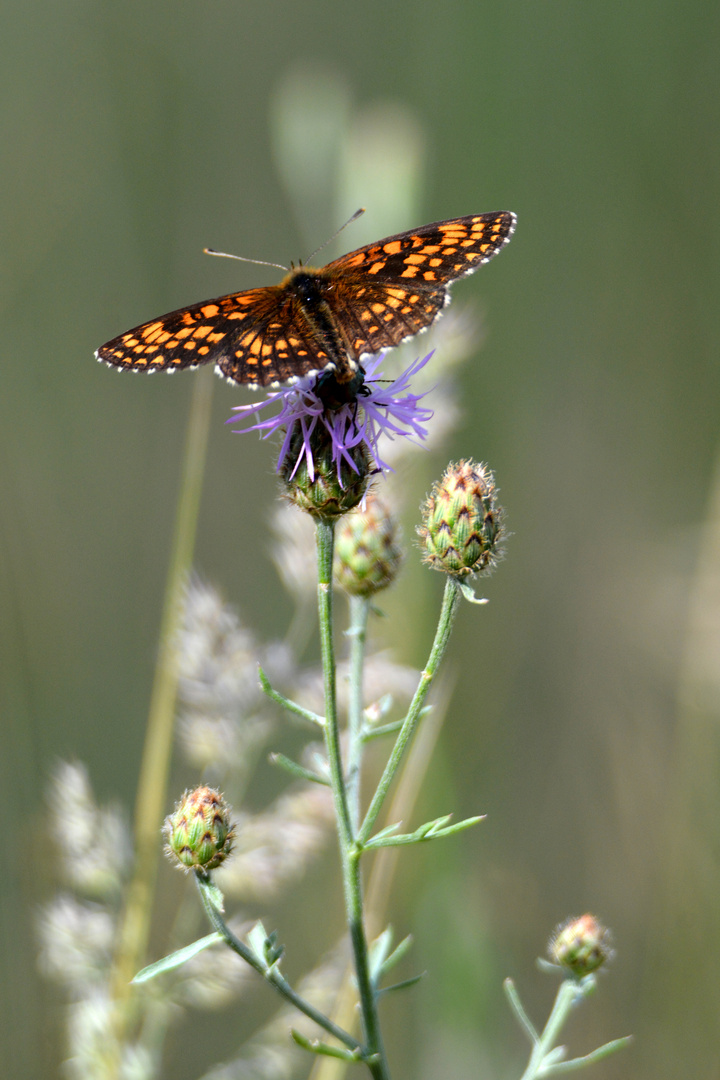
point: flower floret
(389, 410)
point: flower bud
(367, 552)
(317, 480)
(462, 521)
(580, 944)
(198, 832)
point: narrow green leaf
(589, 1059)
(397, 954)
(212, 893)
(378, 954)
(519, 1010)
(286, 703)
(294, 769)
(402, 985)
(470, 595)
(175, 959)
(553, 1057)
(315, 1046)
(375, 711)
(431, 830)
(550, 969)
(273, 951)
(370, 733)
(387, 831)
(256, 938)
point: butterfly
(320, 320)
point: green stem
(564, 1001)
(270, 973)
(451, 599)
(325, 539)
(349, 853)
(359, 611)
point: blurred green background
(585, 719)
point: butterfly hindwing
(276, 349)
(378, 316)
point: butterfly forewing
(363, 302)
(200, 334)
(434, 254)
(389, 291)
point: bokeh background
(584, 720)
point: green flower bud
(198, 832)
(330, 487)
(462, 521)
(581, 945)
(367, 552)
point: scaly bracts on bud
(462, 525)
(581, 945)
(199, 833)
(367, 551)
(316, 481)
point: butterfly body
(313, 291)
(320, 320)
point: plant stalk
(349, 853)
(357, 633)
(451, 599)
(152, 784)
(564, 1001)
(271, 973)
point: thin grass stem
(152, 784)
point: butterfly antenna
(355, 216)
(241, 258)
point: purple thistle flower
(389, 409)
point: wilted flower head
(380, 409)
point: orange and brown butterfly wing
(280, 346)
(366, 301)
(254, 337)
(199, 334)
(386, 292)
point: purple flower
(382, 408)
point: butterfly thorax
(311, 287)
